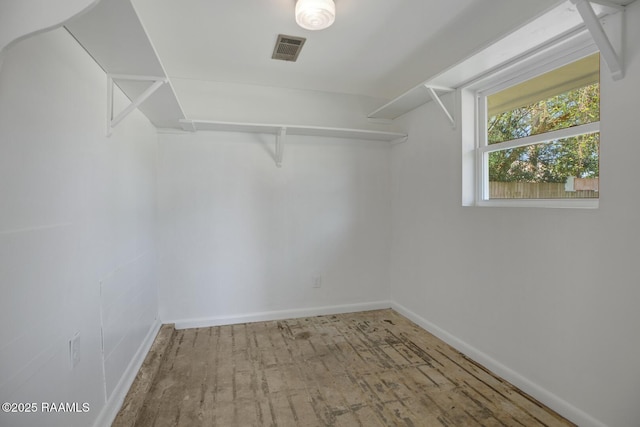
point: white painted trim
(541, 203)
(542, 138)
(206, 322)
(546, 397)
(552, 57)
(114, 403)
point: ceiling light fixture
(315, 14)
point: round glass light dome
(315, 14)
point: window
(538, 136)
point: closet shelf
(282, 131)
(112, 33)
(274, 129)
(585, 22)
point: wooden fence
(533, 190)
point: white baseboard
(114, 403)
(554, 402)
(278, 315)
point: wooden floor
(366, 369)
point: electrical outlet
(317, 281)
(74, 350)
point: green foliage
(553, 161)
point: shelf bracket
(188, 125)
(280, 140)
(112, 122)
(438, 101)
(612, 58)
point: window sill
(541, 203)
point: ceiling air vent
(288, 47)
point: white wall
(19, 18)
(240, 236)
(77, 223)
(548, 297)
(234, 102)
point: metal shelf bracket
(612, 58)
(112, 122)
(437, 100)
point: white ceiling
(376, 48)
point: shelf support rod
(280, 140)
(113, 122)
(600, 37)
(438, 101)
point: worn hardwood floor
(366, 369)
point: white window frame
(475, 157)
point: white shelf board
(559, 23)
(114, 36)
(273, 129)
